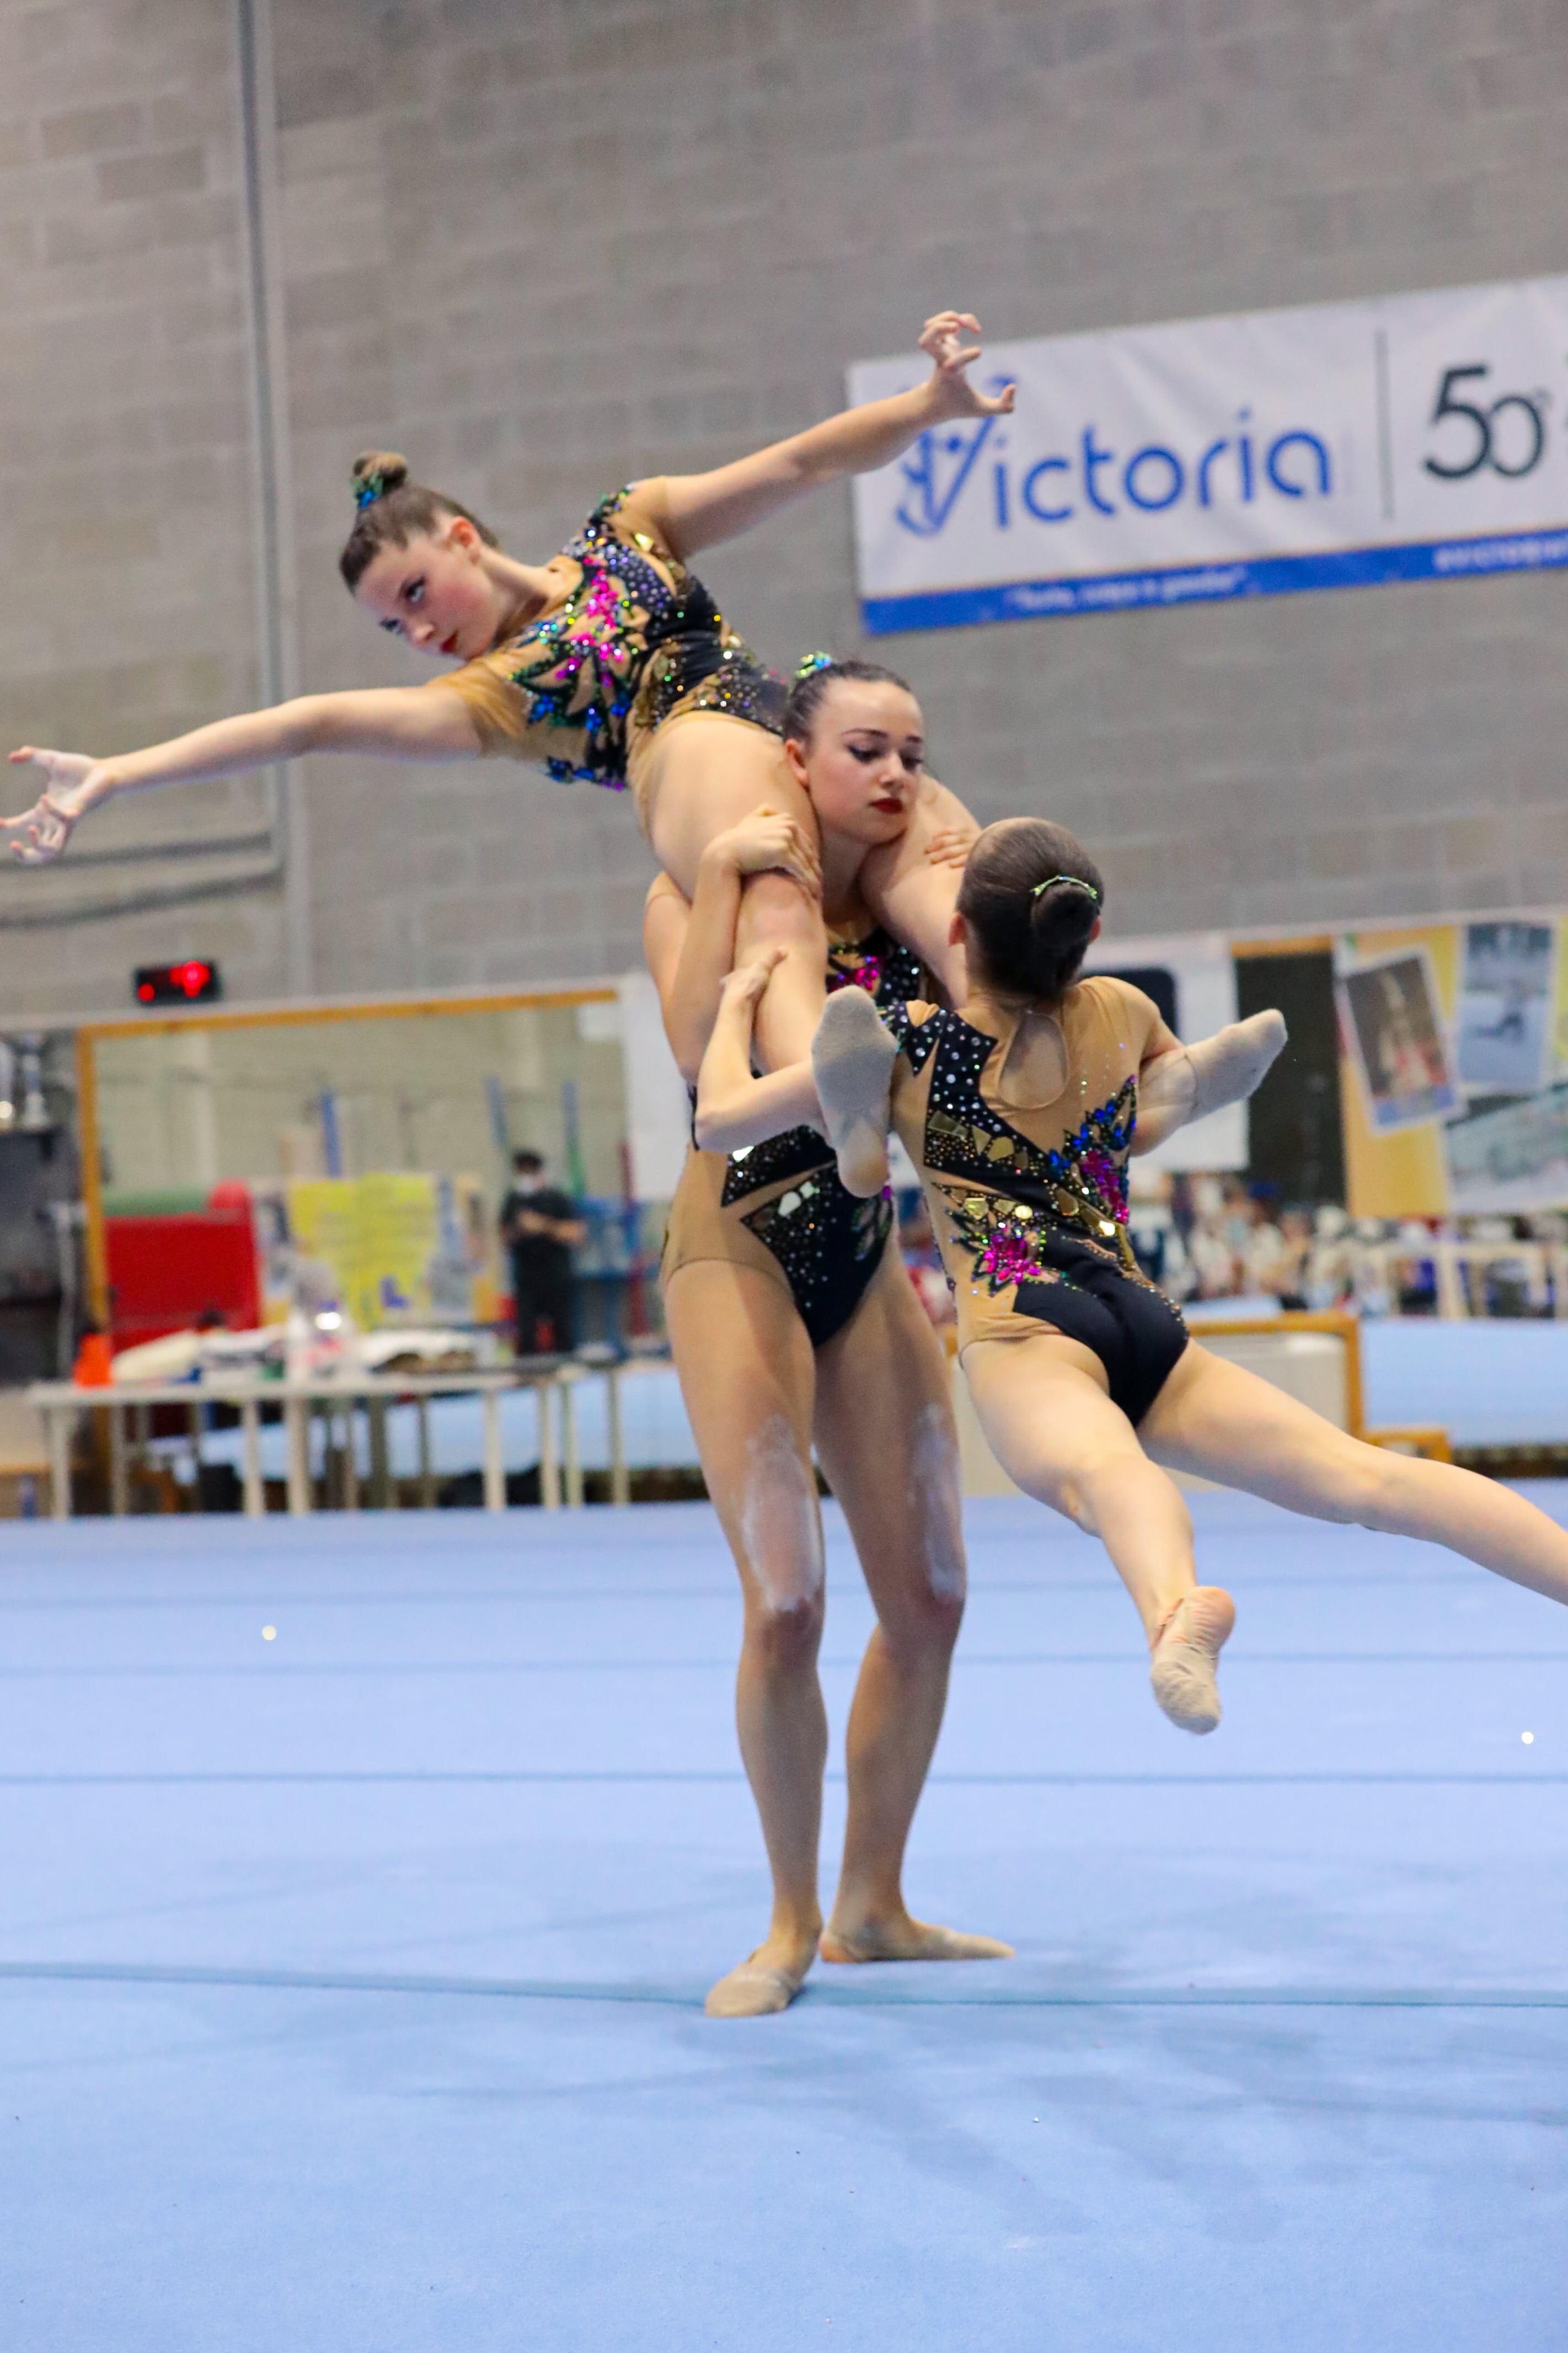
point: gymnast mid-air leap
(1019, 1109)
(609, 662)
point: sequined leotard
(637, 641)
(779, 1206)
(1030, 1209)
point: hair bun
(376, 472)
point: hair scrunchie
(809, 662)
(367, 489)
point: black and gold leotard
(1029, 1210)
(779, 1207)
(637, 641)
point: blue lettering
(1093, 458)
(1040, 514)
(1004, 511)
(1204, 462)
(1281, 481)
(930, 506)
(1244, 445)
(1175, 478)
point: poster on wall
(394, 1247)
(1394, 1025)
(1507, 983)
(1511, 1158)
(1331, 446)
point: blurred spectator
(541, 1228)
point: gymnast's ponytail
(1031, 896)
(393, 510)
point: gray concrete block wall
(543, 249)
(124, 468)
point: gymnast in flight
(1019, 1108)
(610, 663)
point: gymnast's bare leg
(704, 773)
(887, 1441)
(749, 1381)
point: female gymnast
(610, 662)
(1019, 1111)
(790, 1315)
(792, 1319)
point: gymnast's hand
(951, 845)
(952, 394)
(744, 987)
(71, 784)
(768, 841)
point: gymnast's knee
(1370, 1489)
(784, 1628)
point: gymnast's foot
(1184, 1654)
(895, 1936)
(852, 1058)
(766, 1981)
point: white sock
(852, 1058)
(1224, 1069)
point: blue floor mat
(350, 1981)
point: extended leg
(1044, 1405)
(1216, 1420)
(886, 1436)
(746, 1374)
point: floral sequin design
(585, 663)
(877, 963)
(1002, 1237)
(887, 970)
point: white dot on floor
(1527, 1737)
(269, 1635)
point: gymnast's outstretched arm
(697, 511)
(399, 722)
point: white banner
(1339, 446)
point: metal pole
(549, 1464)
(59, 1421)
(495, 1465)
(620, 1478)
(569, 1443)
(426, 1475)
(379, 1455)
(119, 1484)
(297, 1429)
(255, 1493)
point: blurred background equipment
(194, 982)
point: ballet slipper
(852, 1058)
(909, 1940)
(1184, 1653)
(754, 1989)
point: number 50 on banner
(1339, 445)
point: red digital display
(191, 982)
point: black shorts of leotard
(1133, 1329)
(780, 1210)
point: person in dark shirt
(540, 1228)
